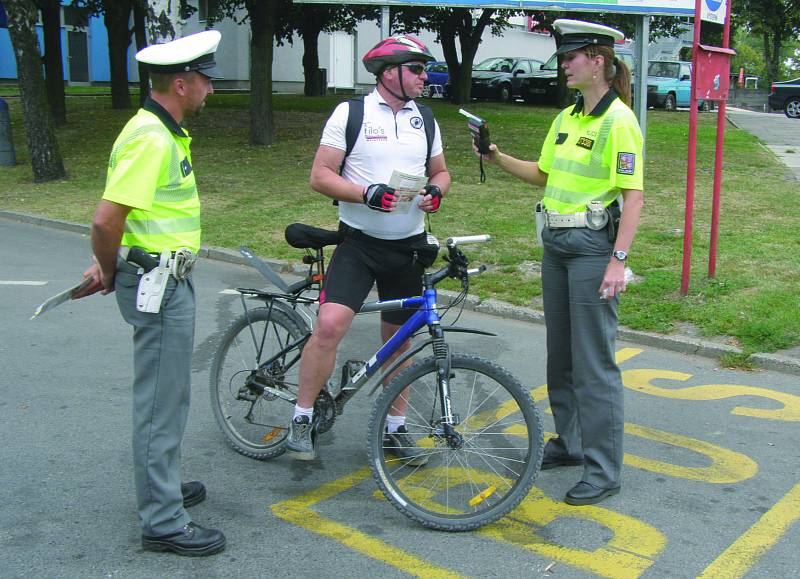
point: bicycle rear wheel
(251, 357)
(475, 476)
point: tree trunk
(140, 33)
(163, 21)
(310, 33)
(262, 32)
(469, 38)
(117, 14)
(448, 39)
(42, 144)
(53, 62)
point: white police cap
(190, 53)
(576, 34)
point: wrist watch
(620, 255)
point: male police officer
(145, 234)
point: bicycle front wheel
(476, 471)
(254, 373)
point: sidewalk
(776, 131)
(787, 361)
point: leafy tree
(42, 144)
(265, 18)
(309, 21)
(774, 22)
(449, 23)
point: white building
(340, 54)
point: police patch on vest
(560, 138)
(416, 122)
(186, 167)
(586, 143)
(626, 163)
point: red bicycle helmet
(395, 50)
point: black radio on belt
(140, 257)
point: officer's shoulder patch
(626, 163)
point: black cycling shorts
(360, 261)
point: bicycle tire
(236, 376)
(485, 395)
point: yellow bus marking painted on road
(538, 394)
(726, 466)
(745, 552)
(298, 511)
(630, 551)
(641, 381)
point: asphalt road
(710, 484)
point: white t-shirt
(386, 142)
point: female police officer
(591, 156)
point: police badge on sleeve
(626, 163)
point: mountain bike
(472, 419)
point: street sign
(713, 10)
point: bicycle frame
(426, 314)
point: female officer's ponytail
(615, 71)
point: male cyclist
(378, 236)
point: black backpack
(355, 118)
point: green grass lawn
(250, 194)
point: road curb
(674, 342)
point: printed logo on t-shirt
(560, 138)
(186, 167)
(416, 122)
(374, 133)
(626, 163)
(586, 143)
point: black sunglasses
(415, 67)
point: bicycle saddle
(304, 236)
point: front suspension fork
(448, 420)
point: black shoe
(552, 461)
(191, 541)
(403, 447)
(585, 493)
(193, 492)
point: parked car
(786, 95)
(541, 86)
(669, 86)
(499, 77)
(437, 73)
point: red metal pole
(692, 159)
(715, 202)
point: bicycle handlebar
(463, 240)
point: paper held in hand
(60, 298)
(407, 188)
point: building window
(202, 10)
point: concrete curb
(673, 342)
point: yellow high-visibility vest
(590, 157)
(150, 170)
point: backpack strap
(355, 118)
(430, 129)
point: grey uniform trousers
(162, 356)
(583, 380)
